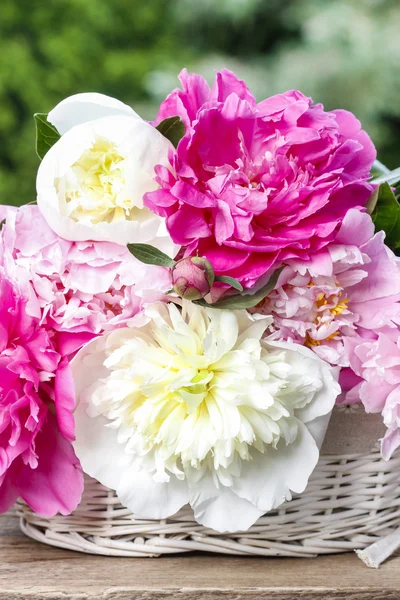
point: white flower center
(94, 189)
(195, 390)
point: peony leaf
(230, 281)
(173, 129)
(386, 216)
(150, 256)
(241, 301)
(46, 134)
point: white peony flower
(90, 184)
(193, 406)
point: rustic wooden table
(31, 571)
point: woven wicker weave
(350, 502)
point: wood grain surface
(32, 571)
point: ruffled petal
(56, 484)
(324, 398)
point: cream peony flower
(90, 184)
(193, 406)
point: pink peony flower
(377, 364)
(345, 305)
(342, 296)
(254, 185)
(37, 461)
(80, 288)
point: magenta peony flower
(37, 461)
(254, 185)
(80, 288)
(192, 277)
(345, 294)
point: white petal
(222, 334)
(96, 445)
(318, 428)
(268, 480)
(324, 399)
(82, 108)
(148, 499)
(220, 508)
(251, 326)
(104, 458)
(92, 353)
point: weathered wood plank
(32, 571)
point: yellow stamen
(95, 187)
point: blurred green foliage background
(344, 53)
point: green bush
(344, 53)
(50, 50)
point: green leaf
(46, 134)
(386, 216)
(150, 256)
(230, 281)
(2, 223)
(240, 301)
(173, 129)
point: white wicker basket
(353, 499)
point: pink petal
(64, 398)
(227, 83)
(56, 485)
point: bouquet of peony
(187, 300)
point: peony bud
(192, 277)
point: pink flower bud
(192, 277)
